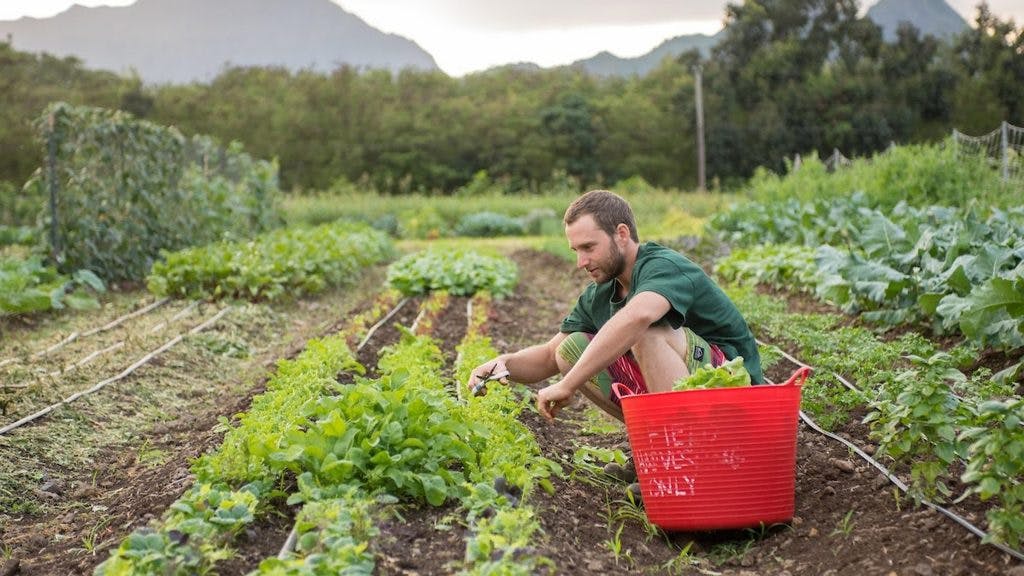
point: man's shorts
(626, 370)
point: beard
(610, 269)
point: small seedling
(682, 562)
(89, 541)
(614, 545)
(845, 525)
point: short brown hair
(608, 209)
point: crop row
(458, 272)
(289, 261)
(353, 449)
(951, 268)
(923, 411)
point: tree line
(788, 76)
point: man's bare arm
(528, 365)
(616, 337)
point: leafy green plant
(333, 538)
(28, 286)
(351, 447)
(915, 419)
(285, 262)
(732, 374)
(459, 272)
(785, 266)
(954, 268)
(996, 464)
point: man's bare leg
(592, 392)
(661, 354)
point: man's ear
(622, 233)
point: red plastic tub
(718, 458)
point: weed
(629, 509)
(594, 422)
(89, 541)
(150, 457)
(726, 551)
(614, 545)
(845, 526)
(681, 562)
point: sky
(468, 36)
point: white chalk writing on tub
(661, 460)
(672, 486)
(733, 460)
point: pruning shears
(480, 387)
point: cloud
(504, 15)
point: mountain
(176, 41)
(608, 64)
(933, 17)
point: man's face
(596, 251)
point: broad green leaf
(433, 488)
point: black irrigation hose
(889, 475)
(899, 484)
(293, 536)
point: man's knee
(570, 350)
(657, 339)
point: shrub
(488, 224)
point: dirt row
(74, 483)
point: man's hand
(553, 398)
(483, 372)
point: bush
(129, 188)
(542, 222)
(425, 222)
(22, 235)
(20, 207)
(917, 174)
(488, 224)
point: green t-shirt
(696, 302)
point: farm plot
(848, 520)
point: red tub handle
(799, 377)
(621, 390)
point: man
(650, 317)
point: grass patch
(660, 214)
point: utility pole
(699, 103)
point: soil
(847, 519)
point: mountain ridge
(179, 41)
(175, 41)
(935, 17)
